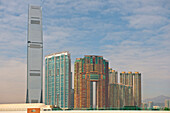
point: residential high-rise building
(137, 88)
(123, 78)
(113, 76)
(132, 82)
(129, 78)
(58, 79)
(121, 95)
(113, 79)
(126, 78)
(91, 82)
(150, 104)
(129, 95)
(34, 56)
(113, 95)
(167, 103)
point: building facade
(34, 56)
(127, 92)
(113, 76)
(167, 103)
(90, 82)
(150, 104)
(129, 101)
(137, 88)
(113, 95)
(123, 78)
(58, 79)
(126, 78)
(113, 79)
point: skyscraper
(90, 82)
(137, 88)
(121, 95)
(123, 78)
(113, 76)
(129, 95)
(34, 56)
(58, 79)
(113, 80)
(129, 78)
(113, 95)
(126, 78)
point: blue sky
(133, 35)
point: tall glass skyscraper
(58, 79)
(34, 56)
(91, 82)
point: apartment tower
(58, 79)
(137, 88)
(34, 56)
(112, 93)
(90, 82)
(113, 76)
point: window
(57, 71)
(35, 22)
(34, 74)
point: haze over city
(132, 35)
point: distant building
(58, 79)
(129, 101)
(167, 103)
(137, 88)
(150, 105)
(113, 76)
(133, 82)
(113, 79)
(129, 78)
(120, 95)
(113, 95)
(123, 78)
(91, 82)
(72, 99)
(144, 106)
(126, 78)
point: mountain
(159, 100)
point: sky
(133, 35)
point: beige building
(137, 88)
(113, 76)
(129, 101)
(133, 85)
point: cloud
(146, 21)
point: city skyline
(122, 32)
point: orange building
(91, 82)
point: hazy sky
(134, 35)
